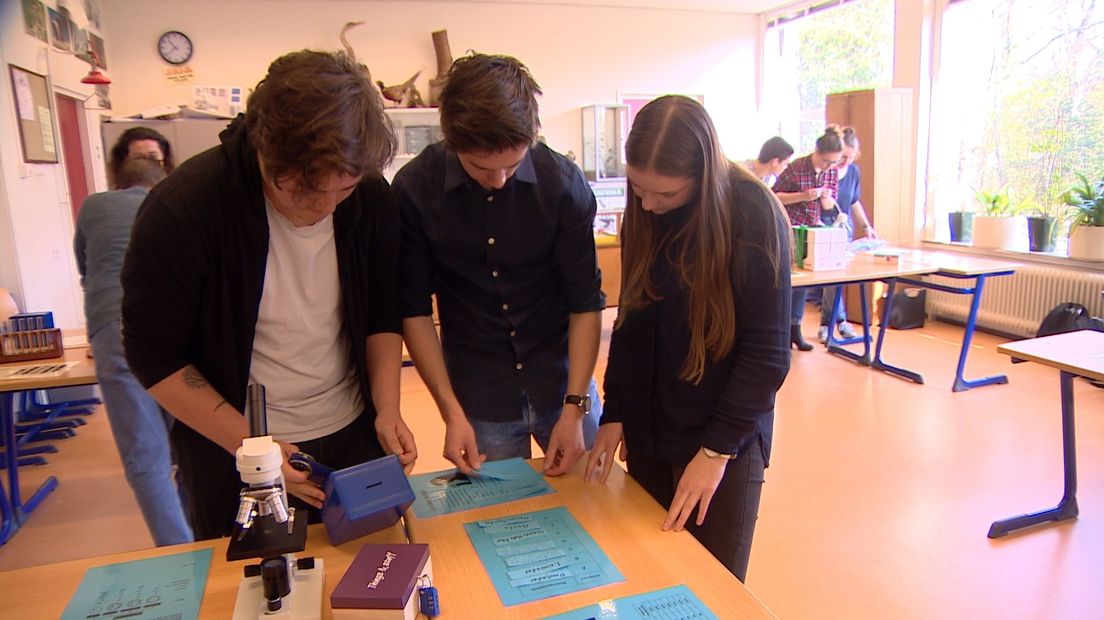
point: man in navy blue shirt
(500, 228)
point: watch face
(175, 47)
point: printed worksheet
(540, 554)
(169, 586)
(676, 603)
(497, 482)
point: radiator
(1015, 305)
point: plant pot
(962, 226)
(997, 232)
(1087, 242)
(1042, 232)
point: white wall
(36, 225)
(579, 55)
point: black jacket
(732, 407)
(194, 273)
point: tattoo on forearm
(193, 379)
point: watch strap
(582, 401)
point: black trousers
(730, 523)
(209, 476)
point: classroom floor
(877, 502)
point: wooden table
(1074, 354)
(621, 517)
(961, 267)
(44, 591)
(13, 510)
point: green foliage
(998, 203)
(1085, 200)
(846, 48)
(1047, 116)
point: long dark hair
(674, 136)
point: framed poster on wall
(35, 113)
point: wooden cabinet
(188, 136)
(882, 119)
(609, 261)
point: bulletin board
(35, 113)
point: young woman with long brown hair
(701, 342)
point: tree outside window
(1019, 103)
(831, 49)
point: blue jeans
(140, 428)
(506, 440)
(826, 306)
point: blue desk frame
(961, 384)
(1067, 508)
(13, 511)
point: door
(72, 150)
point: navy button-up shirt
(508, 266)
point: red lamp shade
(94, 75)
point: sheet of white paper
(24, 101)
(47, 129)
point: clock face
(175, 47)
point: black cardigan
(733, 405)
(194, 273)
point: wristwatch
(582, 401)
(713, 454)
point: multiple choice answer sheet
(496, 482)
(537, 555)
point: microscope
(266, 527)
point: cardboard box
(875, 295)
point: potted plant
(962, 225)
(997, 226)
(1042, 225)
(1086, 202)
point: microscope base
(303, 603)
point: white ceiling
(720, 6)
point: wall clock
(175, 47)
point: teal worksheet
(496, 482)
(540, 554)
(170, 586)
(676, 603)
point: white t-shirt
(300, 351)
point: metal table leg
(1067, 508)
(18, 512)
(961, 384)
(835, 344)
(878, 363)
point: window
(823, 48)
(1018, 104)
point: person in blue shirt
(701, 344)
(500, 228)
(139, 425)
(848, 212)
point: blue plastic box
(365, 498)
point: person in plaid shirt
(807, 187)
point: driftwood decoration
(444, 63)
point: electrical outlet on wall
(55, 253)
